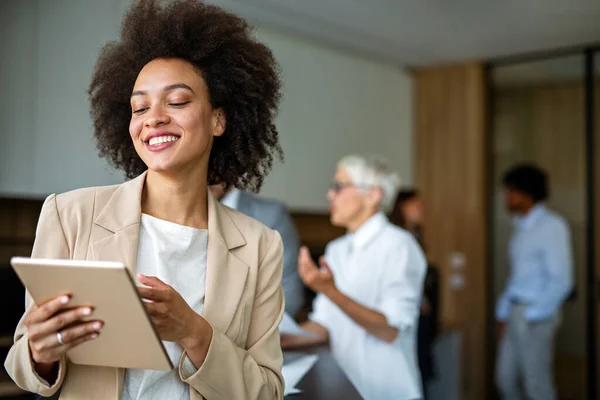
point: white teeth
(161, 139)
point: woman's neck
(178, 199)
(360, 220)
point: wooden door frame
(593, 270)
(490, 190)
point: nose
(156, 117)
(330, 195)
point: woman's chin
(336, 220)
(163, 169)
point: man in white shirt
(275, 215)
(369, 286)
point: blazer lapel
(120, 222)
(225, 273)
(117, 234)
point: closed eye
(180, 104)
(139, 110)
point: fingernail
(64, 300)
(94, 335)
(86, 311)
(97, 325)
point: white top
(175, 254)
(381, 267)
(231, 198)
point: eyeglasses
(337, 186)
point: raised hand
(318, 279)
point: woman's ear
(375, 197)
(220, 122)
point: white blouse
(176, 255)
(381, 267)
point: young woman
(184, 99)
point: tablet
(128, 338)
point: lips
(158, 141)
(158, 133)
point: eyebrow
(165, 89)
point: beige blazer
(244, 300)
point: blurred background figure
(541, 278)
(275, 215)
(408, 214)
(369, 286)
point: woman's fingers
(82, 339)
(72, 335)
(156, 309)
(46, 322)
(152, 294)
(47, 310)
(48, 349)
(53, 354)
(58, 322)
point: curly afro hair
(241, 74)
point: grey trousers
(525, 358)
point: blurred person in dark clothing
(276, 216)
(408, 214)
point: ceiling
(424, 32)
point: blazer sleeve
(230, 372)
(50, 242)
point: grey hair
(373, 171)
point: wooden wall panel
(450, 133)
(315, 230)
(18, 220)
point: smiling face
(173, 122)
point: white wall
(47, 53)
(335, 103)
(17, 95)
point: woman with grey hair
(369, 286)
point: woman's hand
(287, 341)
(174, 319)
(53, 329)
(318, 279)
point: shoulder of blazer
(86, 200)
(257, 234)
(77, 210)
